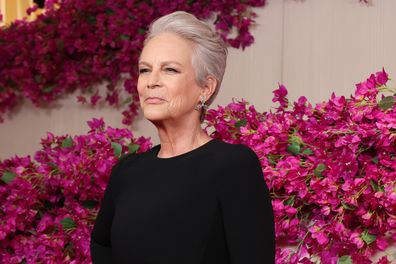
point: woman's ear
(209, 87)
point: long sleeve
(247, 210)
(100, 244)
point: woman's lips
(154, 100)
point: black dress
(206, 206)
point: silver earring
(202, 104)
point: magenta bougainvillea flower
(330, 169)
(48, 205)
(78, 44)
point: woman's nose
(154, 79)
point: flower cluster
(331, 170)
(77, 44)
(48, 206)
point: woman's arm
(100, 244)
(247, 210)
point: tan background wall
(313, 47)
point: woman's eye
(142, 70)
(171, 69)
(167, 69)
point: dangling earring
(202, 104)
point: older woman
(190, 199)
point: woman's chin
(153, 115)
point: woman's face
(165, 71)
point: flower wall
(331, 171)
(48, 204)
(78, 44)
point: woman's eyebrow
(163, 63)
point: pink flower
(382, 77)
(383, 260)
(356, 239)
(381, 243)
(280, 96)
(319, 235)
(66, 173)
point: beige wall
(16, 9)
(314, 47)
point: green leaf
(132, 148)
(296, 140)
(49, 20)
(346, 206)
(346, 259)
(60, 44)
(7, 176)
(307, 152)
(117, 148)
(124, 37)
(289, 201)
(32, 231)
(127, 100)
(294, 148)
(141, 31)
(67, 223)
(109, 11)
(69, 249)
(91, 19)
(100, 2)
(387, 102)
(48, 205)
(52, 164)
(241, 122)
(375, 159)
(38, 78)
(48, 88)
(67, 142)
(131, 16)
(319, 169)
(374, 185)
(368, 238)
(89, 203)
(271, 160)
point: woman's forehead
(166, 48)
(142, 62)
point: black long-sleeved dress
(206, 206)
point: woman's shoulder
(130, 158)
(237, 148)
(124, 163)
(237, 152)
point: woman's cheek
(176, 105)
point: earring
(202, 104)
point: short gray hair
(210, 51)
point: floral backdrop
(331, 171)
(77, 44)
(330, 167)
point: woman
(190, 199)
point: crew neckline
(192, 152)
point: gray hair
(210, 51)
